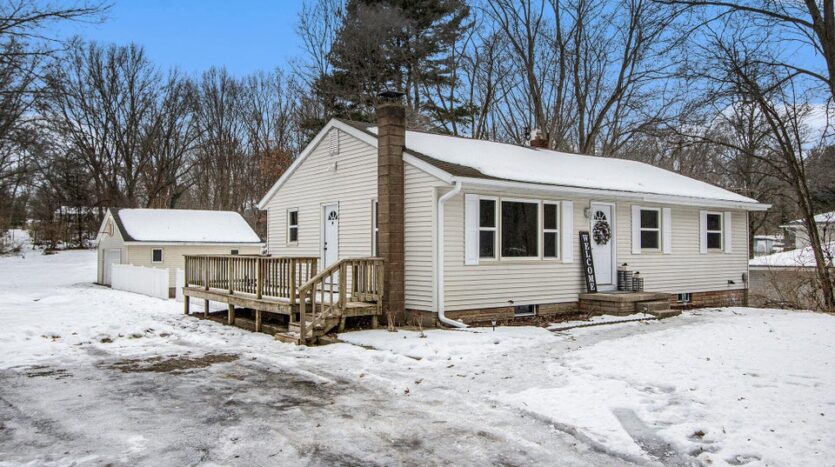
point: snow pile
(187, 225)
(526, 164)
(801, 257)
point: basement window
(683, 298)
(524, 310)
(156, 255)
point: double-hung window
(520, 229)
(156, 255)
(550, 230)
(293, 226)
(487, 228)
(714, 231)
(650, 229)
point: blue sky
(192, 35)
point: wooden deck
(314, 303)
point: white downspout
(440, 258)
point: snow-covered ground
(91, 376)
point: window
(487, 228)
(714, 231)
(293, 226)
(550, 230)
(683, 298)
(520, 229)
(524, 310)
(234, 252)
(156, 255)
(650, 229)
(375, 228)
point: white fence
(142, 280)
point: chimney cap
(391, 95)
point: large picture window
(714, 231)
(487, 228)
(650, 229)
(520, 229)
(550, 230)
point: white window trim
(642, 229)
(290, 227)
(721, 231)
(161, 256)
(497, 237)
(375, 226)
(495, 229)
(556, 231)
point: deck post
(259, 278)
(343, 278)
(229, 271)
(206, 274)
(186, 304)
(258, 318)
(375, 321)
(292, 284)
(342, 324)
(230, 317)
(206, 308)
(303, 318)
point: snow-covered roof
(822, 218)
(183, 225)
(799, 258)
(468, 159)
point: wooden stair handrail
(309, 289)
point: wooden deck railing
(261, 276)
(348, 280)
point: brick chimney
(538, 139)
(391, 137)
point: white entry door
(111, 257)
(330, 245)
(602, 230)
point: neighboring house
(767, 244)
(473, 229)
(796, 229)
(159, 238)
(788, 278)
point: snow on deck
(526, 164)
(187, 225)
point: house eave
(628, 195)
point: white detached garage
(159, 239)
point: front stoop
(626, 303)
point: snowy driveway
(93, 376)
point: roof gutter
(440, 283)
(580, 191)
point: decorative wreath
(601, 232)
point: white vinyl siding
(497, 283)
(349, 178)
(420, 207)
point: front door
(602, 230)
(330, 245)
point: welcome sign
(588, 262)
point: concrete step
(652, 305)
(661, 314)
